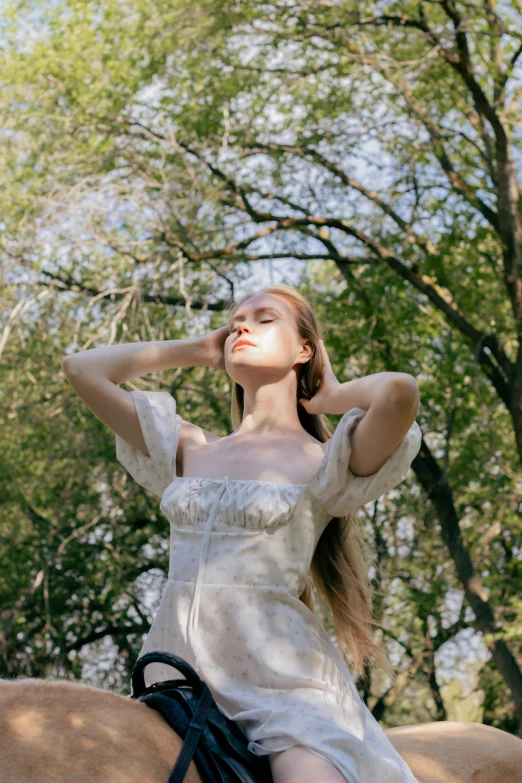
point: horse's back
(459, 752)
(56, 731)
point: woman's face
(268, 322)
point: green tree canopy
(156, 158)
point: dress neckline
(258, 481)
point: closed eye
(262, 322)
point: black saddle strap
(192, 737)
(216, 744)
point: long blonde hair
(338, 575)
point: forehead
(261, 301)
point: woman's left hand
(319, 403)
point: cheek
(281, 343)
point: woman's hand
(214, 343)
(319, 403)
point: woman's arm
(393, 408)
(120, 363)
(95, 374)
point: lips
(243, 342)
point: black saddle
(215, 743)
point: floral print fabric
(240, 551)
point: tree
(375, 151)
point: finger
(326, 360)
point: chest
(267, 461)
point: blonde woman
(261, 515)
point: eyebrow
(261, 309)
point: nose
(241, 328)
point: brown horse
(54, 732)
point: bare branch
(372, 195)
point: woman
(259, 516)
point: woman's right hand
(215, 347)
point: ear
(305, 352)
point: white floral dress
(240, 550)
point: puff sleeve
(160, 425)
(341, 491)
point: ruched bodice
(240, 551)
(242, 503)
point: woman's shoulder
(192, 436)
